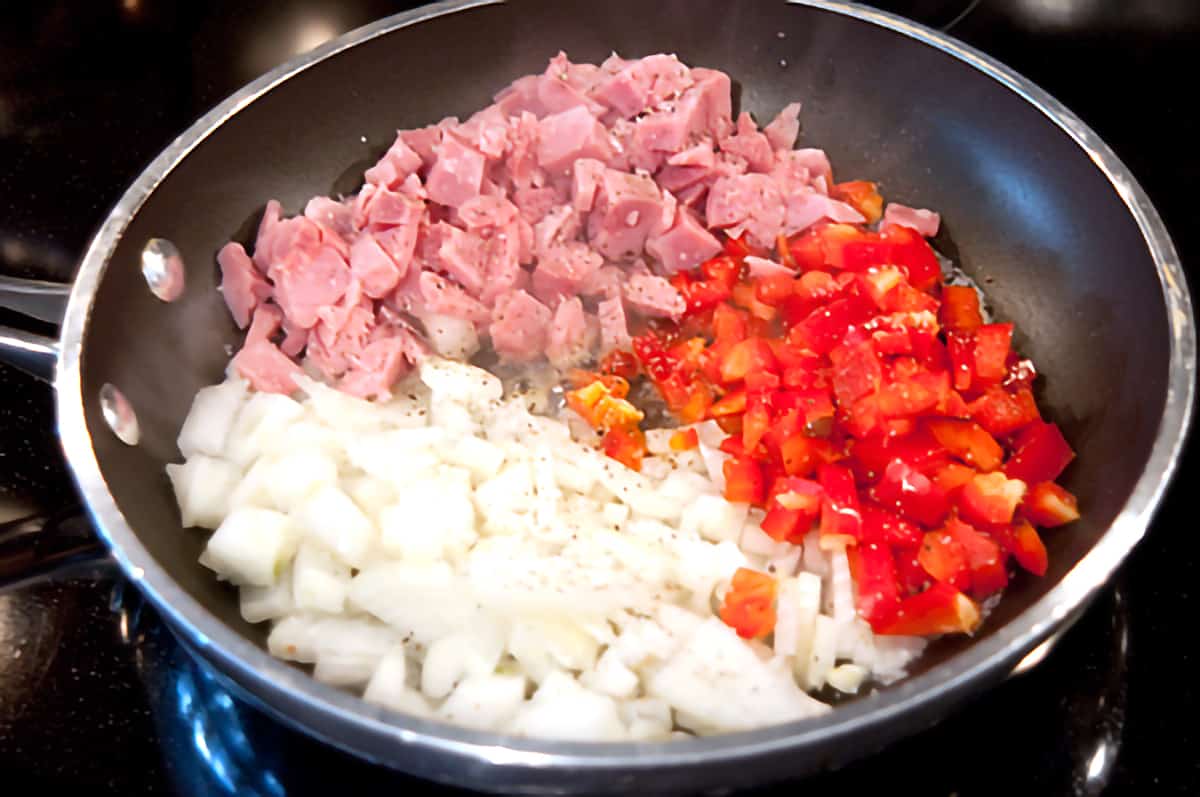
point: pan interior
(1026, 213)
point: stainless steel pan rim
(373, 731)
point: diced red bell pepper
(961, 352)
(1049, 505)
(1022, 541)
(732, 403)
(856, 371)
(992, 344)
(625, 445)
(840, 517)
(815, 286)
(913, 252)
(968, 441)
(991, 499)
(744, 296)
(775, 289)
(684, 440)
(751, 354)
(907, 299)
(802, 455)
(887, 528)
(919, 450)
(868, 252)
(874, 568)
(941, 609)
(913, 495)
(1021, 372)
(744, 480)
(655, 360)
(792, 508)
(917, 395)
(909, 573)
(984, 558)
(729, 324)
(878, 282)
(1040, 454)
(755, 424)
(807, 251)
(943, 557)
(701, 296)
(726, 269)
(960, 311)
(951, 477)
(749, 605)
(862, 195)
(619, 363)
(1002, 412)
(825, 327)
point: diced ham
(588, 172)
(294, 339)
(379, 208)
(567, 342)
(700, 154)
(457, 174)
(762, 267)
(750, 145)
(558, 193)
(502, 262)
(520, 326)
(378, 367)
(446, 298)
(653, 296)
(486, 131)
(685, 245)
(750, 202)
(260, 362)
(398, 162)
(783, 129)
(424, 141)
(241, 284)
(562, 270)
(373, 267)
(565, 137)
(521, 97)
(305, 285)
(557, 227)
(487, 211)
(807, 208)
(614, 331)
(923, 221)
(282, 239)
(816, 161)
(564, 86)
(535, 203)
(637, 85)
(332, 216)
(604, 281)
(628, 209)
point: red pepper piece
(877, 583)
(1049, 505)
(984, 558)
(1022, 541)
(1040, 454)
(943, 557)
(1002, 412)
(992, 345)
(941, 609)
(968, 441)
(840, 518)
(749, 605)
(991, 499)
(887, 528)
(960, 311)
(744, 480)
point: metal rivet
(119, 415)
(163, 269)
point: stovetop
(96, 695)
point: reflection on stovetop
(1062, 736)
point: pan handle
(37, 547)
(42, 301)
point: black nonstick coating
(1025, 211)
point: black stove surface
(96, 695)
